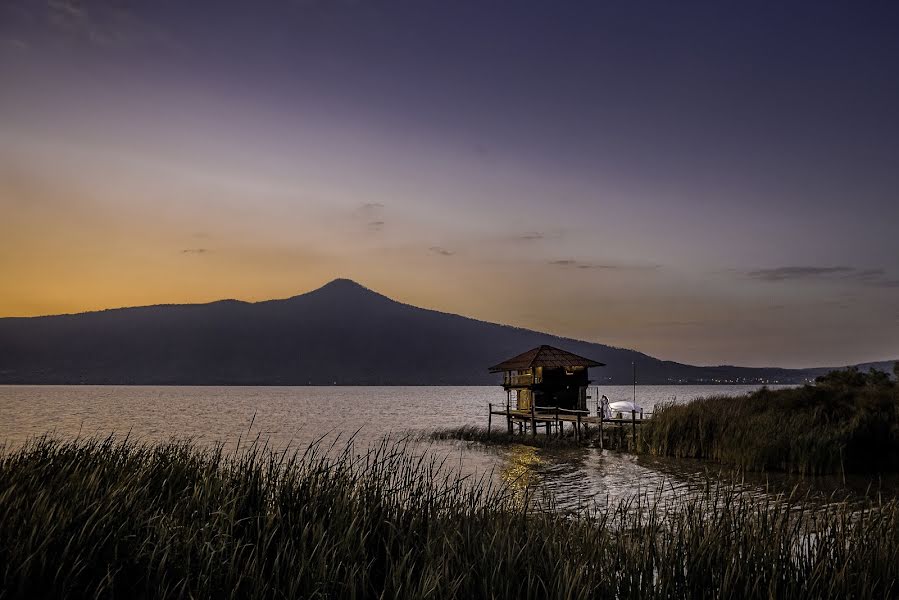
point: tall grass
(108, 518)
(500, 437)
(828, 428)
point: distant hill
(341, 333)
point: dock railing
(524, 379)
(563, 411)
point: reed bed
(500, 437)
(828, 428)
(118, 518)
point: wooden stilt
(601, 417)
(489, 418)
(634, 429)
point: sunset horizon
(449, 299)
(362, 284)
(706, 184)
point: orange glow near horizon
(690, 205)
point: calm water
(296, 416)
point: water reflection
(580, 479)
(570, 479)
(520, 471)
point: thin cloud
(871, 277)
(441, 251)
(877, 277)
(524, 238)
(368, 216)
(372, 214)
(577, 264)
(101, 24)
(195, 251)
(791, 273)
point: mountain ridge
(341, 332)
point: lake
(295, 416)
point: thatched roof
(544, 356)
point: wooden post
(601, 417)
(577, 431)
(533, 419)
(508, 407)
(558, 423)
(489, 417)
(634, 428)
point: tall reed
(500, 437)
(815, 429)
(118, 518)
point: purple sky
(705, 182)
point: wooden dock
(553, 420)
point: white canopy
(623, 406)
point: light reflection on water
(295, 416)
(520, 467)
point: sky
(707, 182)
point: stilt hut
(546, 376)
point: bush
(847, 421)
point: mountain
(341, 333)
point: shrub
(847, 421)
